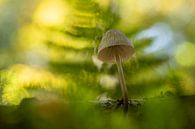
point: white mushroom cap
(114, 43)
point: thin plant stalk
(122, 82)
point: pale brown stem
(122, 83)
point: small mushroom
(114, 48)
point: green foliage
(48, 52)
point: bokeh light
(185, 54)
(51, 13)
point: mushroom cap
(114, 43)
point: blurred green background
(48, 53)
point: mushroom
(114, 48)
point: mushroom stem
(122, 82)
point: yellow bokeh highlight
(1, 2)
(169, 6)
(22, 77)
(185, 54)
(135, 12)
(31, 35)
(51, 12)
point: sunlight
(23, 77)
(30, 36)
(1, 2)
(134, 15)
(51, 13)
(134, 12)
(14, 95)
(185, 54)
(169, 6)
(33, 35)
